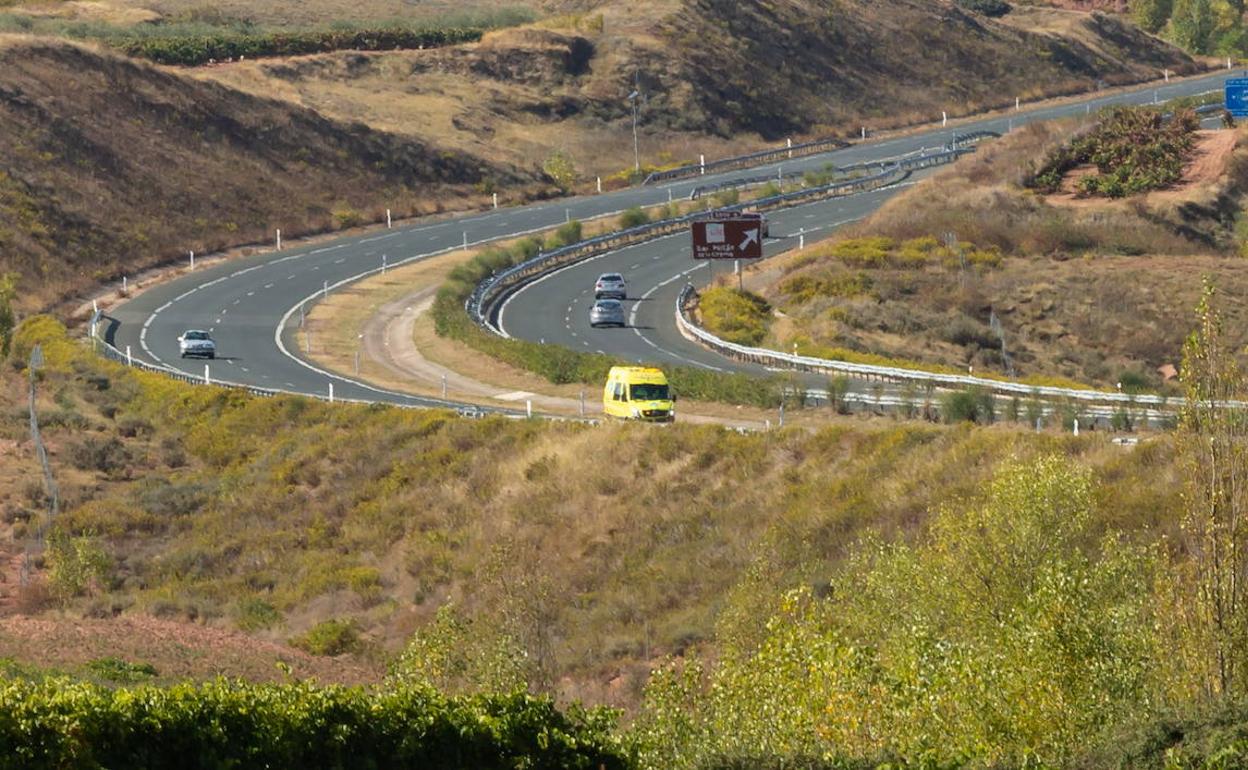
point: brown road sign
(738, 237)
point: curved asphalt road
(252, 304)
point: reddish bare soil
(177, 650)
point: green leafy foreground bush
(562, 365)
(60, 724)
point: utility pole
(636, 145)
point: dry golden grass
(1122, 305)
(604, 548)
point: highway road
(252, 305)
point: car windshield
(608, 304)
(649, 393)
(613, 278)
(196, 336)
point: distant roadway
(251, 305)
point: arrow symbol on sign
(751, 236)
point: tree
(1152, 15)
(8, 319)
(1192, 25)
(1213, 446)
(561, 170)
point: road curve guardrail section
(107, 350)
(479, 305)
(752, 159)
(778, 360)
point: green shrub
(736, 316)
(634, 217)
(60, 724)
(990, 8)
(119, 671)
(255, 614)
(566, 234)
(331, 637)
(973, 405)
(106, 455)
(222, 45)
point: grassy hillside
(111, 166)
(1086, 288)
(714, 76)
(595, 551)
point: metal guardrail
(752, 159)
(478, 304)
(960, 141)
(777, 359)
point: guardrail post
(129, 360)
(207, 375)
(279, 239)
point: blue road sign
(1237, 96)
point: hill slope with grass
(593, 551)
(714, 77)
(1083, 287)
(112, 165)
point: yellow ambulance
(638, 393)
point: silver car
(606, 312)
(196, 342)
(610, 285)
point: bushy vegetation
(562, 365)
(58, 724)
(191, 51)
(1017, 632)
(1196, 26)
(990, 8)
(735, 315)
(1134, 150)
(197, 38)
(880, 252)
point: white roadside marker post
(528, 408)
(279, 239)
(495, 200)
(207, 375)
(383, 264)
(388, 221)
(582, 402)
(129, 360)
(125, 285)
(192, 260)
(1018, 103)
(801, 238)
(944, 118)
(325, 290)
(702, 163)
(444, 387)
(600, 185)
(465, 241)
(790, 147)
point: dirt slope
(110, 165)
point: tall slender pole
(636, 145)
